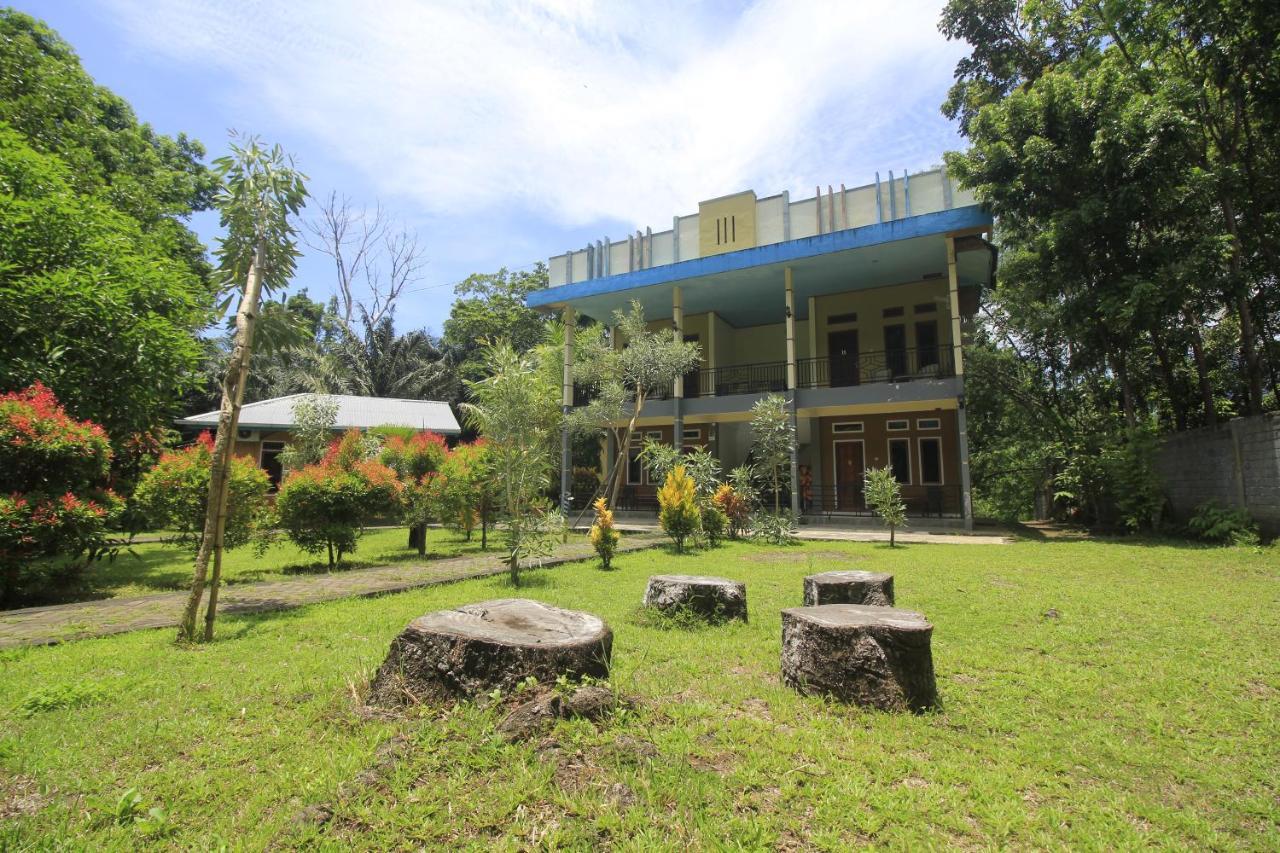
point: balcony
(904, 365)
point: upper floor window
(896, 311)
(898, 425)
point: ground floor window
(931, 461)
(900, 459)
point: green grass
(1145, 713)
(159, 567)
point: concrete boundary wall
(1236, 464)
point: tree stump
(714, 599)
(874, 656)
(474, 649)
(848, 588)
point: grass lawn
(160, 567)
(1145, 713)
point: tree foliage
(884, 496)
(488, 307)
(772, 439)
(1129, 153)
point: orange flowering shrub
(604, 536)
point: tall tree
(490, 306)
(261, 191)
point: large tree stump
(714, 599)
(848, 588)
(874, 656)
(467, 652)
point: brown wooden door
(842, 350)
(849, 465)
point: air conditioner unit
(244, 434)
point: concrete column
(677, 396)
(795, 462)
(957, 350)
(566, 404)
(791, 328)
(813, 335)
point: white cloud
(580, 111)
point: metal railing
(921, 501)
(902, 365)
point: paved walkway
(847, 534)
(40, 626)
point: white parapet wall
(777, 219)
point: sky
(506, 132)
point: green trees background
(1129, 152)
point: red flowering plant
(416, 459)
(175, 493)
(465, 496)
(328, 505)
(54, 502)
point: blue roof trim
(924, 225)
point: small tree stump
(715, 599)
(470, 651)
(849, 588)
(874, 656)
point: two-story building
(852, 303)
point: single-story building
(265, 425)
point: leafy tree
(53, 495)
(773, 437)
(327, 506)
(884, 496)
(516, 408)
(261, 191)
(491, 306)
(313, 420)
(175, 494)
(96, 307)
(466, 490)
(678, 511)
(649, 362)
(415, 460)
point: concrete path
(39, 626)
(846, 534)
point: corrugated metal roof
(353, 412)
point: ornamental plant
(175, 495)
(466, 490)
(604, 536)
(736, 509)
(416, 459)
(678, 511)
(884, 496)
(53, 496)
(327, 506)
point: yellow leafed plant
(678, 507)
(604, 536)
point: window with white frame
(847, 427)
(898, 425)
(928, 423)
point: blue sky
(504, 133)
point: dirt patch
(21, 795)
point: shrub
(884, 496)
(776, 528)
(312, 433)
(737, 511)
(465, 490)
(678, 507)
(415, 460)
(53, 495)
(1213, 522)
(604, 536)
(714, 522)
(327, 506)
(584, 481)
(175, 494)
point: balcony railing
(902, 365)
(921, 501)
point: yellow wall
(713, 236)
(869, 306)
